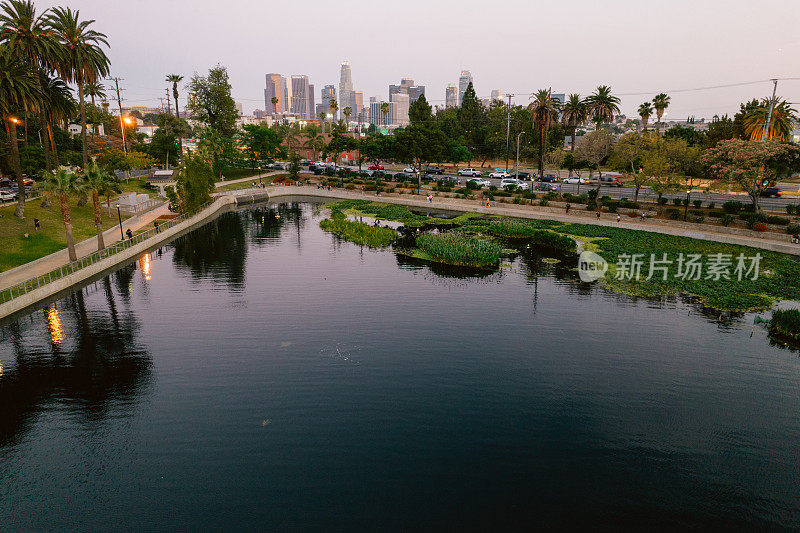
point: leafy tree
(96, 181)
(294, 166)
(422, 141)
(457, 152)
(627, 156)
(688, 134)
(211, 101)
(62, 185)
(194, 183)
(260, 142)
(111, 160)
(751, 165)
(473, 119)
(594, 148)
(720, 129)
(660, 103)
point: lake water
(259, 373)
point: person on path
(487, 202)
(155, 225)
(617, 218)
(796, 238)
(36, 225)
(129, 233)
(567, 208)
(598, 215)
(643, 216)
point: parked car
(7, 196)
(770, 192)
(501, 174)
(505, 182)
(611, 181)
(472, 172)
(548, 178)
(410, 170)
(524, 176)
(376, 167)
(434, 170)
(547, 187)
(574, 179)
(403, 176)
(480, 182)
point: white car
(574, 180)
(480, 182)
(502, 174)
(473, 172)
(515, 182)
(6, 196)
(410, 170)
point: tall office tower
(558, 96)
(463, 81)
(311, 101)
(358, 105)
(376, 115)
(400, 110)
(301, 96)
(328, 93)
(414, 92)
(497, 94)
(286, 89)
(345, 87)
(451, 96)
(238, 106)
(406, 87)
(274, 90)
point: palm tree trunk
(46, 142)
(98, 220)
(83, 116)
(541, 154)
(68, 227)
(572, 147)
(53, 145)
(177, 115)
(11, 130)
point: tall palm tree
(645, 111)
(660, 103)
(544, 111)
(58, 106)
(62, 185)
(94, 89)
(313, 140)
(333, 106)
(347, 112)
(274, 101)
(602, 105)
(96, 181)
(384, 111)
(175, 79)
(18, 89)
(780, 123)
(81, 60)
(574, 112)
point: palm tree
(175, 79)
(573, 114)
(58, 106)
(274, 101)
(62, 185)
(645, 111)
(81, 59)
(95, 180)
(333, 106)
(602, 105)
(18, 89)
(780, 123)
(313, 139)
(660, 102)
(94, 89)
(544, 111)
(347, 112)
(384, 111)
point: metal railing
(20, 289)
(142, 206)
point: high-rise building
(414, 92)
(400, 109)
(238, 108)
(561, 97)
(451, 96)
(463, 81)
(302, 99)
(274, 90)
(312, 103)
(328, 93)
(406, 87)
(496, 94)
(286, 89)
(358, 106)
(345, 86)
(376, 115)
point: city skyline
(684, 52)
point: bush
(793, 209)
(676, 202)
(699, 219)
(785, 323)
(459, 249)
(675, 214)
(543, 202)
(612, 207)
(697, 212)
(471, 185)
(778, 221)
(732, 207)
(749, 208)
(716, 214)
(793, 229)
(662, 201)
(697, 204)
(726, 220)
(759, 226)
(517, 200)
(628, 204)
(712, 205)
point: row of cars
(9, 188)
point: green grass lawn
(18, 249)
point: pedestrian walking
(36, 225)
(796, 238)
(598, 215)
(617, 218)
(129, 233)
(566, 208)
(643, 216)
(155, 225)
(487, 202)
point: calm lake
(259, 373)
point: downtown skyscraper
(346, 88)
(463, 82)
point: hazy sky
(638, 47)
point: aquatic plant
(359, 232)
(456, 248)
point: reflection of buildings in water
(80, 354)
(54, 325)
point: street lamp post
(119, 215)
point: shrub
(676, 202)
(712, 205)
(785, 323)
(612, 207)
(675, 214)
(458, 249)
(517, 200)
(662, 201)
(349, 186)
(749, 208)
(716, 214)
(793, 229)
(793, 209)
(726, 220)
(359, 232)
(697, 204)
(699, 219)
(759, 226)
(778, 221)
(543, 202)
(628, 204)
(472, 185)
(592, 195)
(732, 207)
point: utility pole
(169, 106)
(516, 165)
(771, 108)
(119, 103)
(508, 129)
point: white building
(400, 109)
(463, 82)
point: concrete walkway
(57, 259)
(251, 178)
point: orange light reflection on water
(145, 264)
(54, 325)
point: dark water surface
(260, 374)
